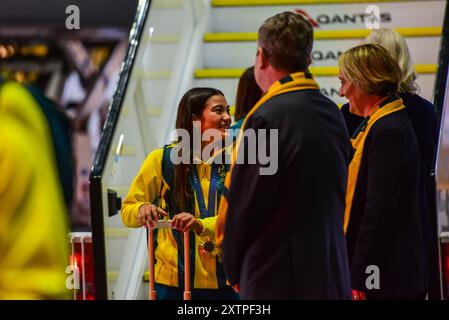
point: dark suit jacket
(284, 236)
(385, 229)
(422, 116)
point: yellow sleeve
(223, 208)
(144, 189)
(14, 184)
(221, 221)
(208, 227)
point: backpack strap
(168, 175)
(167, 165)
(168, 172)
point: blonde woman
(382, 222)
(423, 118)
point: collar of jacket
(385, 107)
(293, 82)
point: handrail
(104, 146)
(443, 64)
(435, 289)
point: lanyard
(212, 192)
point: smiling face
(346, 88)
(216, 115)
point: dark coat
(61, 133)
(284, 235)
(423, 118)
(385, 228)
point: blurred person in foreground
(33, 218)
(382, 221)
(283, 232)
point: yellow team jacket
(33, 218)
(145, 189)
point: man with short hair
(283, 236)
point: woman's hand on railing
(185, 221)
(149, 212)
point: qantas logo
(352, 18)
(330, 92)
(372, 17)
(325, 55)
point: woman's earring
(196, 125)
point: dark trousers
(410, 296)
(173, 293)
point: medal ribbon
(210, 211)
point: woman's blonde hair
(371, 68)
(395, 44)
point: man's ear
(263, 59)
(309, 61)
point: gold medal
(208, 246)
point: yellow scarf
(383, 108)
(294, 82)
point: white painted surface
(424, 50)
(329, 85)
(332, 16)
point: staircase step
(316, 71)
(167, 4)
(411, 14)
(325, 52)
(325, 34)
(117, 233)
(246, 3)
(329, 86)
